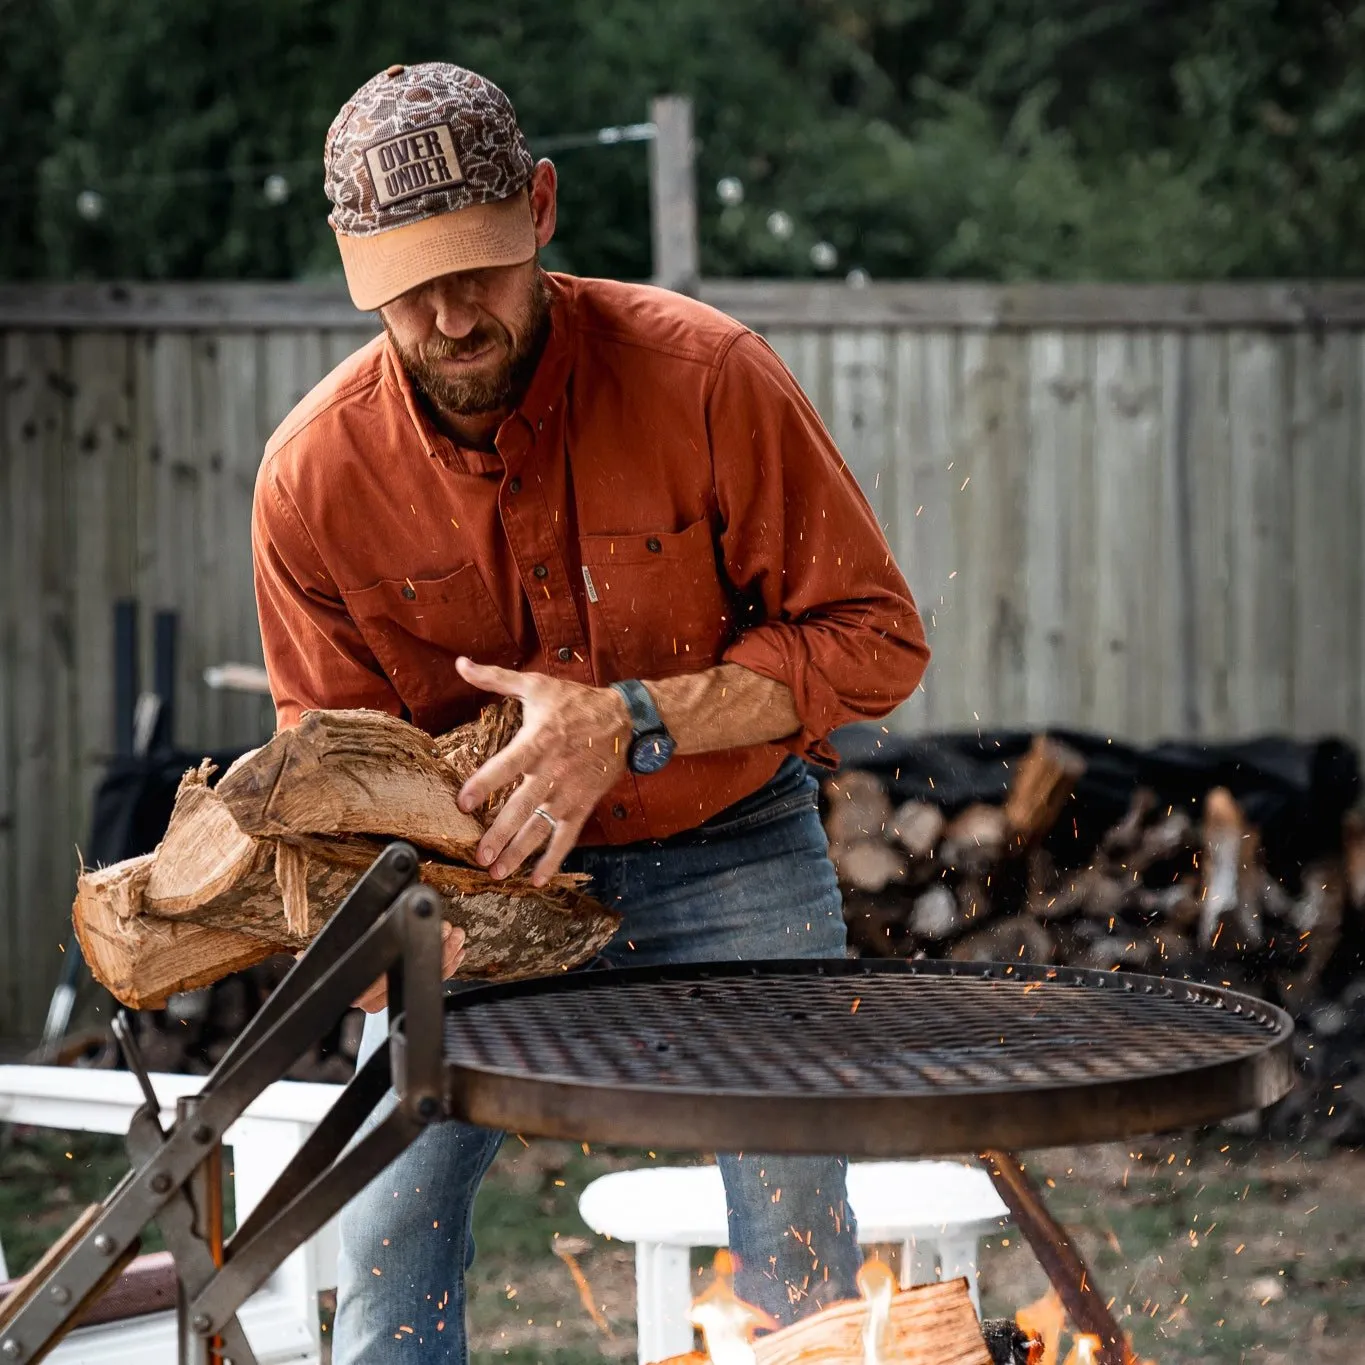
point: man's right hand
(452, 954)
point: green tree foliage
(993, 139)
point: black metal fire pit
(867, 1059)
(879, 1059)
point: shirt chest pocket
(418, 627)
(661, 598)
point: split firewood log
(1353, 855)
(1232, 873)
(870, 864)
(975, 839)
(351, 772)
(1015, 938)
(1042, 783)
(917, 827)
(857, 807)
(142, 961)
(1123, 838)
(466, 749)
(936, 915)
(1318, 917)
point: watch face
(650, 752)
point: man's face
(470, 341)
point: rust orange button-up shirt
(663, 500)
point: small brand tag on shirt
(588, 583)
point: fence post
(673, 194)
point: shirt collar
(543, 396)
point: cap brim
(381, 266)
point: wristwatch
(651, 746)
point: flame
(727, 1323)
(1085, 1350)
(877, 1285)
(1044, 1319)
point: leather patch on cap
(413, 163)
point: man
(615, 504)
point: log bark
(1042, 783)
(351, 772)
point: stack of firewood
(1168, 891)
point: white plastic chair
(936, 1211)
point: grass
(1213, 1249)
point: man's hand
(452, 954)
(569, 752)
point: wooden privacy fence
(1134, 509)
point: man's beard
(495, 390)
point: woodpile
(255, 865)
(1174, 891)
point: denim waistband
(791, 788)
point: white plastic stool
(936, 1210)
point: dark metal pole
(1067, 1271)
(205, 1189)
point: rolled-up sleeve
(314, 655)
(832, 616)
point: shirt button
(541, 571)
(619, 812)
(514, 485)
(564, 654)
(409, 591)
(653, 545)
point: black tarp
(1295, 792)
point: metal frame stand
(388, 923)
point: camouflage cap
(426, 173)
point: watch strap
(644, 715)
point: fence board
(1326, 535)
(1060, 533)
(246, 719)
(39, 582)
(1209, 454)
(927, 400)
(1261, 542)
(103, 540)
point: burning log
(930, 1324)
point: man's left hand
(568, 753)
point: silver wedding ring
(547, 817)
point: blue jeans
(754, 882)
